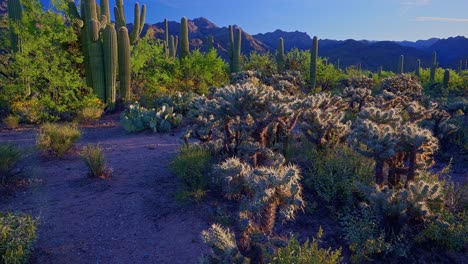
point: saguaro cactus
(313, 63)
(433, 67)
(184, 39)
(231, 47)
(446, 79)
(173, 45)
(110, 65)
(166, 38)
(138, 22)
(236, 58)
(14, 15)
(460, 67)
(124, 63)
(209, 43)
(418, 69)
(280, 57)
(401, 65)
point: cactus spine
(433, 67)
(446, 79)
(14, 15)
(418, 68)
(280, 57)
(313, 63)
(401, 65)
(236, 56)
(184, 39)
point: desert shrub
(57, 139)
(308, 253)
(449, 232)
(192, 165)
(10, 158)
(333, 173)
(17, 236)
(11, 121)
(95, 161)
(224, 248)
(29, 111)
(89, 114)
(137, 118)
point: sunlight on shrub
(308, 253)
(192, 165)
(57, 139)
(18, 233)
(94, 159)
(11, 121)
(10, 157)
(89, 114)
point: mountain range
(369, 54)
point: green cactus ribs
(313, 63)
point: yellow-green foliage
(11, 121)
(29, 111)
(308, 253)
(334, 171)
(95, 161)
(57, 139)
(192, 165)
(89, 114)
(10, 157)
(17, 234)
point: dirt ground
(132, 217)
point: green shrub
(192, 165)
(333, 172)
(308, 253)
(10, 157)
(16, 238)
(89, 114)
(57, 139)
(95, 161)
(11, 121)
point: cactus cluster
(105, 51)
(137, 118)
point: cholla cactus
(322, 119)
(357, 97)
(377, 130)
(265, 191)
(404, 85)
(420, 145)
(224, 247)
(358, 82)
(242, 115)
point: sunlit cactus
(313, 63)
(236, 53)
(184, 38)
(166, 39)
(357, 97)
(280, 56)
(223, 246)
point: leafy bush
(57, 139)
(137, 118)
(192, 165)
(333, 173)
(10, 157)
(17, 237)
(11, 121)
(29, 111)
(92, 110)
(95, 161)
(308, 253)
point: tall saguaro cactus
(209, 43)
(110, 64)
(446, 79)
(433, 67)
(138, 22)
(236, 54)
(401, 65)
(313, 63)
(166, 39)
(418, 68)
(173, 44)
(14, 15)
(280, 57)
(184, 39)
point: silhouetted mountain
(420, 44)
(450, 51)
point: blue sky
(333, 19)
